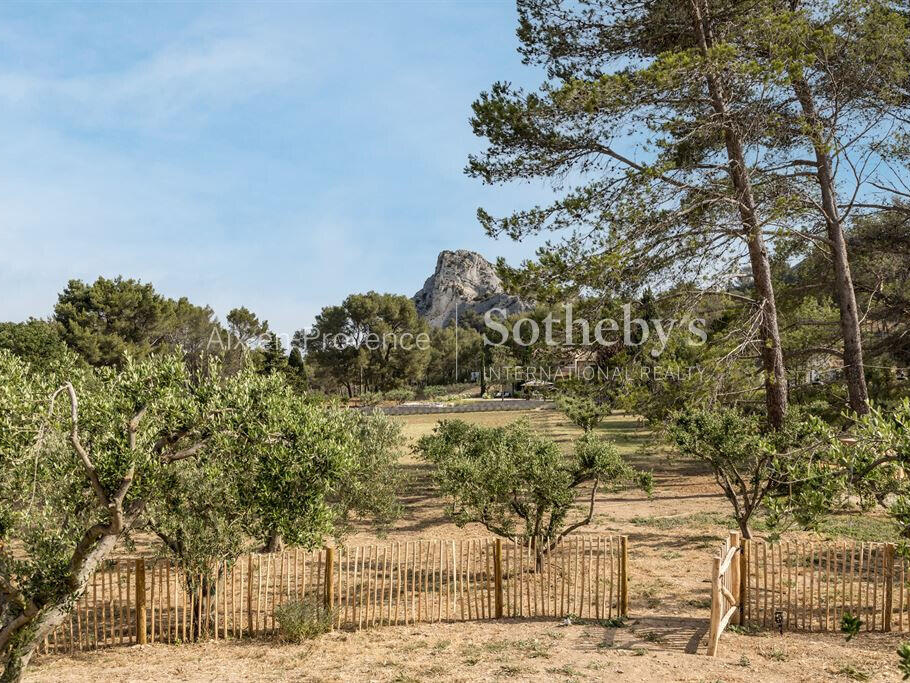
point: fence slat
(624, 577)
(358, 569)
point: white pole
(456, 340)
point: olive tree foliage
(295, 446)
(749, 461)
(306, 470)
(272, 485)
(862, 467)
(369, 490)
(807, 470)
(584, 410)
(349, 457)
(197, 519)
(520, 485)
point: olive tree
(349, 457)
(583, 411)
(82, 453)
(860, 468)
(369, 490)
(285, 459)
(88, 456)
(306, 470)
(751, 463)
(520, 485)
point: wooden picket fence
(796, 586)
(810, 586)
(131, 601)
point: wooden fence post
(713, 629)
(249, 595)
(140, 602)
(329, 578)
(623, 576)
(744, 557)
(497, 576)
(889, 579)
(735, 583)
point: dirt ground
(672, 536)
(647, 649)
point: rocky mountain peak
(466, 279)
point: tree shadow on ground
(656, 633)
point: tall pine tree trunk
(854, 366)
(775, 376)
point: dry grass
(518, 651)
(672, 536)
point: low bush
(399, 395)
(432, 391)
(370, 398)
(303, 620)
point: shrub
(903, 653)
(585, 412)
(303, 620)
(438, 391)
(399, 395)
(370, 398)
(850, 625)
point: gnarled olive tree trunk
(29, 625)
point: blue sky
(274, 155)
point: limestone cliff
(468, 279)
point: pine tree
(274, 358)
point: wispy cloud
(186, 80)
